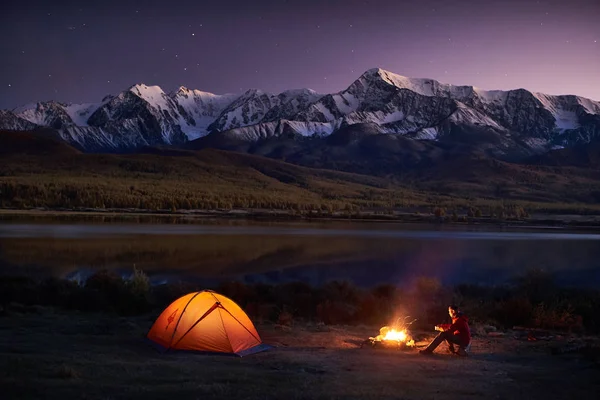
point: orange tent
(208, 322)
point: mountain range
(416, 118)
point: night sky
(81, 51)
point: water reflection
(366, 254)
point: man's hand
(439, 328)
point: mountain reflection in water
(365, 254)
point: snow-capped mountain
(515, 122)
(9, 120)
(421, 109)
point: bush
(336, 312)
(139, 284)
(513, 311)
(532, 299)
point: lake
(364, 253)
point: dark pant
(449, 337)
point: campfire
(396, 336)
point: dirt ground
(54, 354)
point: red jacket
(460, 327)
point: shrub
(336, 312)
(513, 311)
(139, 284)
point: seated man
(456, 333)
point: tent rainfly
(206, 322)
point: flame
(389, 334)
(393, 334)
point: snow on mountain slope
(426, 87)
(246, 110)
(419, 108)
(491, 96)
(198, 109)
(10, 121)
(470, 116)
(290, 102)
(266, 130)
(153, 95)
(256, 106)
(80, 113)
(567, 109)
(52, 114)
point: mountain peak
(182, 89)
(423, 86)
(253, 92)
(298, 92)
(375, 71)
(142, 88)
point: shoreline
(536, 221)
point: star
(193, 34)
(49, 76)
(108, 81)
(9, 85)
(185, 69)
(595, 41)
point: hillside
(55, 175)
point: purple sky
(81, 51)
